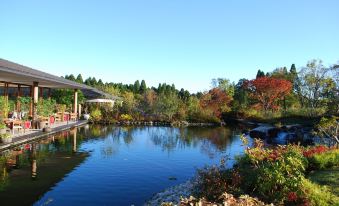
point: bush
(272, 174)
(126, 117)
(96, 115)
(211, 183)
(325, 160)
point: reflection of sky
(128, 164)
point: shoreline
(172, 194)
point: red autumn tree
(217, 101)
(268, 90)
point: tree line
(312, 91)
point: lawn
(328, 177)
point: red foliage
(292, 196)
(267, 90)
(315, 150)
(216, 100)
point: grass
(328, 178)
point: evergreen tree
(260, 74)
(79, 79)
(88, 81)
(71, 77)
(100, 83)
(143, 87)
(136, 86)
(94, 82)
(161, 88)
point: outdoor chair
(57, 117)
(74, 117)
(16, 124)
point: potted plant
(6, 138)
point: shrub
(96, 115)
(211, 183)
(272, 174)
(275, 172)
(325, 160)
(126, 117)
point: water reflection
(31, 169)
(143, 155)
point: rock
(264, 131)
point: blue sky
(185, 42)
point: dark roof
(19, 74)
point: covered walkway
(21, 81)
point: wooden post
(79, 111)
(6, 99)
(49, 93)
(31, 103)
(18, 103)
(6, 91)
(75, 105)
(35, 99)
(41, 93)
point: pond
(110, 165)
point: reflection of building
(33, 162)
(45, 162)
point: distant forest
(310, 91)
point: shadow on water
(145, 156)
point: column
(18, 103)
(35, 99)
(75, 103)
(79, 111)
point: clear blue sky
(186, 42)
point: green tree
(79, 79)
(241, 100)
(224, 85)
(315, 80)
(143, 87)
(100, 83)
(167, 105)
(70, 77)
(136, 86)
(66, 96)
(129, 103)
(260, 74)
(329, 127)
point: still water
(109, 165)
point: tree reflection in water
(48, 160)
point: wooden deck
(21, 138)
